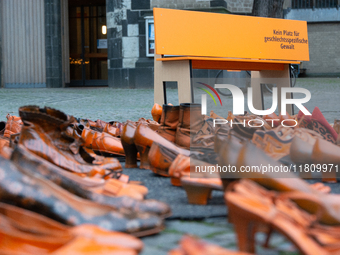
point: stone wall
(182, 4)
(324, 50)
(240, 6)
(323, 26)
(128, 65)
(127, 62)
(1, 78)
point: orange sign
(191, 33)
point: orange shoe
(44, 134)
(156, 112)
(114, 187)
(277, 142)
(143, 139)
(13, 125)
(161, 157)
(102, 143)
(27, 232)
(113, 128)
(251, 207)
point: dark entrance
(88, 43)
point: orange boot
(169, 122)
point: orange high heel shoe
(251, 207)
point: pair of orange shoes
(26, 232)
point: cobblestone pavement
(118, 104)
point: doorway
(88, 43)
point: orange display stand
(186, 40)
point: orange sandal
(252, 207)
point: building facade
(323, 23)
(61, 43)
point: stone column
(1, 79)
(126, 43)
(53, 44)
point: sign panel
(150, 36)
(192, 33)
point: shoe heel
(130, 155)
(245, 229)
(197, 195)
(226, 182)
(176, 182)
(329, 176)
(144, 157)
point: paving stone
(219, 221)
(226, 240)
(164, 241)
(199, 229)
(150, 250)
(92, 103)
